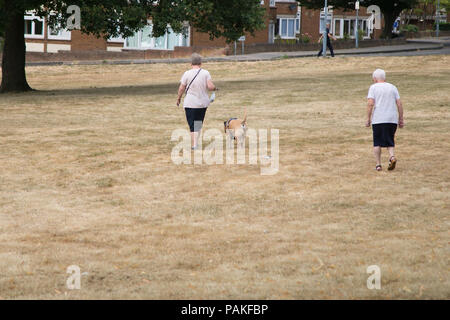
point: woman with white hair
(195, 83)
(384, 113)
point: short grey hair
(196, 59)
(379, 74)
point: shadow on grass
(169, 88)
(159, 89)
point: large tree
(110, 18)
(427, 8)
(390, 9)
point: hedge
(443, 26)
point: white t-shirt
(197, 96)
(385, 96)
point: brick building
(284, 20)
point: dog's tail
(245, 116)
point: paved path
(340, 52)
(441, 40)
(418, 48)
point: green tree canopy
(110, 18)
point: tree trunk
(13, 62)
(389, 19)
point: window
(322, 18)
(337, 28)
(346, 27)
(346, 30)
(287, 27)
(117, 39)
(146, 40)
(58, 34)
(34, 26)
(143, 39)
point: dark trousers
(195, 118)
(330, 47)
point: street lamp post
(356, 25)
(325, 34)
(437, 17)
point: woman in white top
(384, 113)
(195, 83)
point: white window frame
(63, 34)
(118, 39)
(188, 38)
(152, 40)
(31, 16)
(350, 19)
(296, 30)
(329, 20)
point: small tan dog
(236, 129)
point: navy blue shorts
(384, 134)
(195, 117)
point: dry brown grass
(86, 179)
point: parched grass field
(86, 179)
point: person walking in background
(384, 113)
(195, 83)
(330, 47)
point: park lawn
(86, 179)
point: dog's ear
(225, 126)
(245, 117)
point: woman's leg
(190, 120)
(391, 152)
(194, 139)
(377, 153)
(391, 139)
(377, 142)
(199, 117)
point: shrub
(409, 28)
(291, 41)
(304, 38)
(361, 34)
(285, 41)
(443, 26)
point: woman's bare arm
(180, 93)
(370, 104)
(401, 123)
(211, 86)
